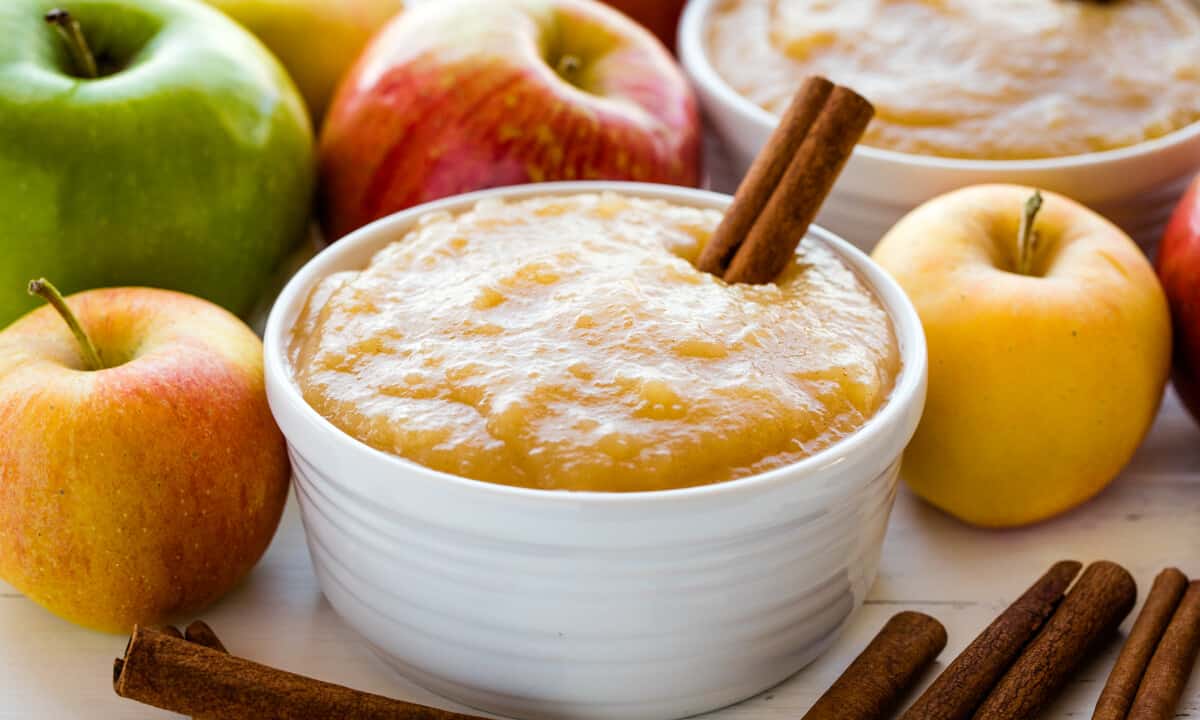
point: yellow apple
(141, 473)
(1045, 371)
(317, 40)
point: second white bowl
(1135, 187)
(538, 604)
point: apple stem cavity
(44, 289)
(1027, 238)
(568, 66)
(72, 34)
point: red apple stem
(1027, 237)
(44, 289)
(568, 66)
(72, 34)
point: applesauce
(983, 79)
(569, 343)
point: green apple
(141, 474)
(187, 164)
(316, 40)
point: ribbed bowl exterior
(538, 630)
(1135, 187)
(537, 604)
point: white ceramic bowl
(539, 604)
(1135, 187)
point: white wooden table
(1148, 519)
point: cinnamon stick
(1117, 696)
(764, 175)
(1100, 600)
(188, 678)
(1167, 675)
(200, 633)
(876, 681)
(170, 630)
(959, 690)
(772, 210)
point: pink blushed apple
(1179, 270)
(463, 95)
(147, 487)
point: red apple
(1179, 270)
(661, 17)
(141, 473)
(462, 95)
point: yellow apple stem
(44, 289)
(1027, 238)
(72, 34)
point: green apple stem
(72, 34)
(44, 289)
(1027, 238)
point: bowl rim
(909, 386)
(694, 57)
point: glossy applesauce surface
(569, 343)
(983, 79)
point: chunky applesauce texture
(982, 79)
(569, 343)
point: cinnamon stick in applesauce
(1117, 696)
(1094, 607)
(764, 175)
(186, 677)
(962, 686)
(788, 182)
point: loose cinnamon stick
(1158, 696)
(1100, 600)
(200, 633)
(876, 681)
(185, 677)
(1117, 696)
(765, 173)
(170, 630)
(959, 690)
(758, 238)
